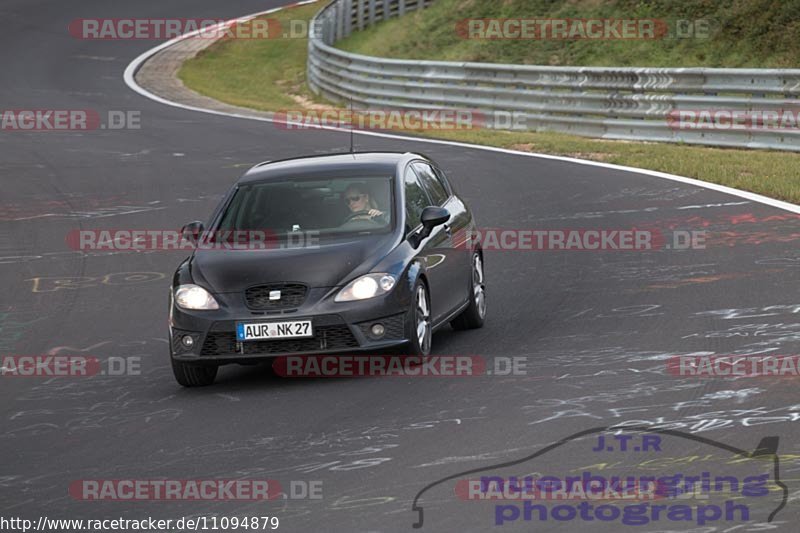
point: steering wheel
(361, 215)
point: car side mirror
(192, 231)
(431, 217)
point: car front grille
(334, 337)
(292, 296)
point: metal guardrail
(751, 108)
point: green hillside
(741, 33)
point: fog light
(187, 341)
(377, 330)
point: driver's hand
(374, 213)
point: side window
(430, 181)
(416, 199)
(443, 180)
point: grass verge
(269, 75)
(264, 74)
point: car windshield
(333, 206)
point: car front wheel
(190, 375)
(421, 331)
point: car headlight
(367, 286)
(195, 297)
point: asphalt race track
(595, 328)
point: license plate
(250, 331)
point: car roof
(358, 162)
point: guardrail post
(371, 18)
(348, 17)
(339, 21)
(360, 15)
(329, 29)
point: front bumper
(347, 330)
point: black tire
(473, 316)
(190, 375)
(416, 346)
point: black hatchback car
(342, 253)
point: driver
(360, 203)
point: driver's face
(356, 201)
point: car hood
(328, 264)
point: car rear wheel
(190, 375)
(472, 317)
(421, 332)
